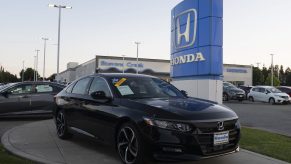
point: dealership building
(236, 74)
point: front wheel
(272, 101)
(61, 125)
(129, 145)
(251, 99)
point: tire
(129, 145)
(225, 97)
(61, 126)
(272, 101)
(251, 99)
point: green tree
(52, 77)
(265, 73)
(258, 78)
(288, 79)
(28, 74)
(7, 77)
(276, 81)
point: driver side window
(21, 89)
(99, 84)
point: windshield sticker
(117, 84)
(125, 90)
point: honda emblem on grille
(220, 125)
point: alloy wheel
(60, 122)
(127, 145)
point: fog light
(170, 149)
(237, 149)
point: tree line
(28, 75)
(281, 76)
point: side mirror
(184, 93)
(100, 96)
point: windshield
(274, 90)
(143, 87)
(5, 86)
(229, 85)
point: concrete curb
(265, 157)
(14, 150)
(11, 149)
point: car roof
(264, 86)
(284, 87)
(122, 75)
(37, 82)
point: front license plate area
(221, 138)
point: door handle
(25, 96)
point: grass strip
(266, 143)
(7, 158)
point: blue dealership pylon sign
(196, 47)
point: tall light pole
(23, 71)
(60, 7)
(123, 63)
(137, 44)
(36, 66)
(272, 70)
(44, 51)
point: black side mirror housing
(184, 93)
(100, 96)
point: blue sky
(252, 30)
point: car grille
(204, 136)
(284, 97)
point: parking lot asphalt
(273, 118)
(38, 141)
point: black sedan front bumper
(195, 145)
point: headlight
(168, 125)
(232, 92)
(237, 124)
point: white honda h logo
(186, 34)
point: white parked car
(268, 94)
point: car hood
(182, 109)
(237, 90)
(281, 94)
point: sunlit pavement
(273, 118)
(38, 141)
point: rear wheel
(61, 125)
(272, 101)
(129, 145)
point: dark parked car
(145, 117)
(285, 90)
(28, 98)
(231, 92)
(246, 89)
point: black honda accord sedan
(145, 117)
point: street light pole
(36, 64)
(23, 71)
(272, 70)
(60, 7)
(137, 44)
(123, 63)
(34, 67)
(44, 51)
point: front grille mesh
(205, 132)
